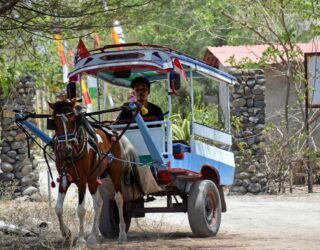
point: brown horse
(80, 159)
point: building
(276, 83)
(275, 92)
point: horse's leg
(66, 233)
(122, 225)
(97, 206)
(81, 211)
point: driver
(141, 89)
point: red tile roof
(216, 55)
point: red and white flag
(62, 56)
(178, 68)
(82, 51)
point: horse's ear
(73, 102)
(50, 105)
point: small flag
(82, 51)
(92, 86)
(178, 68)
(86, 96)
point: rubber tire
(109, 219)
(204, 209)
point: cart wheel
(204, 209)
(109, 219)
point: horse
(81, 158)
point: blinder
(50, 124)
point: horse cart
(190, 175)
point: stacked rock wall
(17, 169)
(248, 119)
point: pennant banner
(117, 33)
(178, 68)
(62, 55)
(96, 39)
(86, 96)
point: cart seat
(158, 133)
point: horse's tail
(131, 162)
(128, 153)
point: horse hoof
(91, 240)
(122, 238)
(81, 241)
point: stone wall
(17, 169)
(248, 119)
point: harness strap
(63, 138)
(48, 165)
(92, 134)
(97, 172)
(105, 111)
(34, 115)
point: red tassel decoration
(70, 178)
(99, 181)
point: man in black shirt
(141, 89)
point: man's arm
(124, 116)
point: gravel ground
(288, 221)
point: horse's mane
(60, 106)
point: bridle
(68, 138)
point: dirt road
(288, 221)
(251, 222)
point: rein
(72, 137)
(108, 153)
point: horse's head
(64, 116)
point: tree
(27, 30)
(189, 26)
(281, 25)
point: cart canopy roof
(154, 62)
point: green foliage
(180, 128)
(41, 62)
(245, 63)
(236, 124)
(4, 83)
(189, 26)
(208, 115)
(27, 45)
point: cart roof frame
(150, 61)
